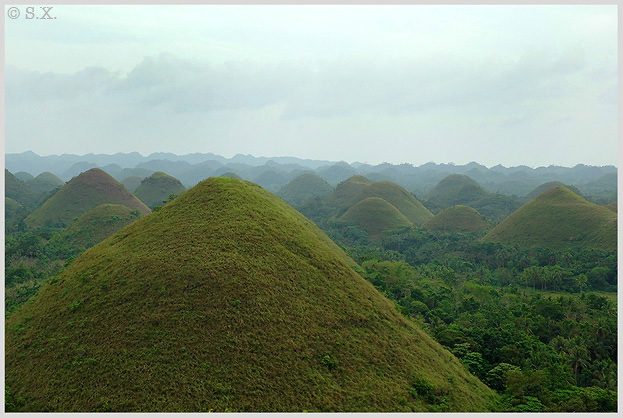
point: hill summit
(157, 188)
(83, 192)
(226, 299)
(458, 218)
(558, 218)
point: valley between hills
(199, 283)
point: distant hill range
(597, 184)
(557, 219)
(226, 299)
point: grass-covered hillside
(347, 191)
(97, 224)
(459, 189)
(19, 191)
(45, 182)
(376, 216)
(545, 186)
(556, 219)
(132, 182)
(157, 188)
(455, 189)
(85, 191)
(401, 199)
(458, 218)
(303, 188)
(226, 299)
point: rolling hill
(376, 216)
(97, 224)
(345, 192)
(132, 182)
(458, 189)
(545, 186)
(558, 218)
(458, 218)
(83, 192)
(19, 191)
(304, 187)
(398, 197)
(226, 299)
(45, 182)
(156, 188)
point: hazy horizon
(532, 85)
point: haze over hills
(459, 189)
(303, 188)
(85, 191)
(275, 319)
(558, 218)
(192, 168)
(157, 188)
(458, 218)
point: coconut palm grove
(199, 283)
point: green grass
(304, 187)
(18, 190)
(156, 188)
(85, 191)
(226, 299)
(97, 224)
(401, 199)
(45, 182)
(458, 218)
(557, 219)
(546, 186)
(455, 189)
(376, 216)
(345, 193)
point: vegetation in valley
(524, 297)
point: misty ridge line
(129, 160)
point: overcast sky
(533, 85)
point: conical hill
(376, 216)
(45, 182)
(345, 192)
(19, 191)
(545, 186)
(458, 218)
(157, 188)
(455, 189)
(304, 187)
(558, 218)
(401, 199)
(83, 192)
(96, 224)
(225, 299)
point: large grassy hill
(376, 216)
(226, 299)
(558, 218)
(97, 224)
(345, 192)
(304, 187)
(458, 218)
(157, 188)
(83, 192)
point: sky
(507, 84)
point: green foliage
(229, 277)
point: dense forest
(535, 323)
